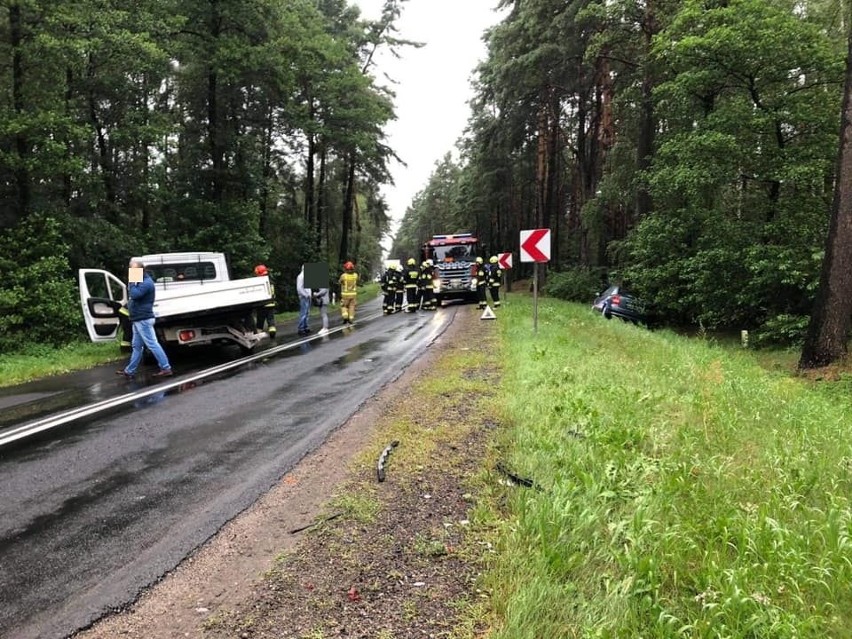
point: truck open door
(102, 294)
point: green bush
(38, 297)
(783, 330)
(575, 285)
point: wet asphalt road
(92, 513)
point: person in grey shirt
(304, 302)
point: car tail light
(186, 336)
(616, 299)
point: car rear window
(189, 272)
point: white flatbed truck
(196, 303)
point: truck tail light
(186, 335)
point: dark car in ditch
(618, 302)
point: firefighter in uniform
(266, 313)
(412, 285)
(495, 276)
(399, 288)
(388, 289)
(427, 286)
(348, 292)
(480, 274)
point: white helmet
(430, 263)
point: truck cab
(454, 257)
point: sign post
(535, 247)
(504, 261)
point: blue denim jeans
(304, 309)
(143, 336)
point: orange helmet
(260, 270)
(349, 266)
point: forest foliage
(686, 148)
(144, 126)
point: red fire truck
(454, 257)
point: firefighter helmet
(429, 263)
(349, 266)
(493, 259)
(399, 267)
(479, 260)
(260, 270)
(411, 261)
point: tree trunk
(553, 208)
(104, 162)
(268, 141)
(647, 125)
(310, 210)
(214, 135)
(348, 202)
(587, 149)
(145, 160)
(321, 214)
(66, 177)
(541, 165)
(832, 313)
(543, 171)
(22, 146)
(356, 213)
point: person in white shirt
(304, 302)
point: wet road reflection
(93, 512)
(27, 403)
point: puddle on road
(356, 353)
(22, 406)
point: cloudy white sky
(433, 85)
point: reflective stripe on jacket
(412, 276)
(348, 285)
(271, 302)
(495, 273)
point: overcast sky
(433, 85)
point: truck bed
(175, 300)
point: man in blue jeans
(141, 306)
(304, 302)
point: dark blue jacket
(141, 303)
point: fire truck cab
(454, 257)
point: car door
(101, 295)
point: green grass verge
(687, 491)
(34, 362)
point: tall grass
(36, 360)
(686, 491)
